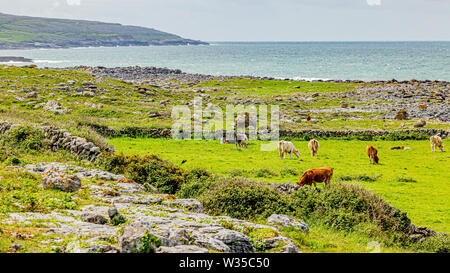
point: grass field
(415, 181)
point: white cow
(286, 147)
(313, 146)
(436, 141)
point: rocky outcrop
(168, 226)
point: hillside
(18, 32)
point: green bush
(239, 199)
(163, 175)
(26, 137)
(289, 172)
(435, 244)
(193, 189)
(264, 173)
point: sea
(294, 60)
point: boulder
(58, 180)
(94, 218)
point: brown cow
(318, 175)
(372, 154)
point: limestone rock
(58, 180)
(287, 221)
(94, 218)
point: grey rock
(58, 180)
(287, 221)
(94, 218)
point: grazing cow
(241, 140)
(436, 141)
(372, 154)
(400, 148)
(313, 176)
(313, 146)
(286, 147)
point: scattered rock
(57, 180)
(94, 218)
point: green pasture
(415, 181)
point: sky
(260, 20)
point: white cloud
(73, 2)
(374, 2)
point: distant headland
(24, 32)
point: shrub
(264, 173)
(194, 188)
(240, 199)
(5, 153)
(289, 172)
(163, 175)
(198, 174)
(237, 173)
(26, 137)
(346, 205)
(406, 180)
(436, 244)
(361, 177)
(14, 161)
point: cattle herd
(324, 174)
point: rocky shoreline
(138, 73)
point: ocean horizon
(306, 60)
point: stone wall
(166, 133)
(61, 139)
